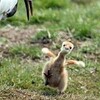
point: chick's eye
(70, 47)
(64, 45)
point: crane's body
(6, 7)
(9, 7)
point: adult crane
(9, 7)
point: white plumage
(6, 6)
(9, 7)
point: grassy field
(21, 41)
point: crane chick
(54, 73)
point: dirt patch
(18, 94)
(16, 34)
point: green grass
(24, 62)
(25, 50)
(17, 74)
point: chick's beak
(29, 8)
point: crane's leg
(29, 8)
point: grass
(15, 74)
(25, 50)
(22, 67)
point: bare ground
(16, 34)
(18, 94)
